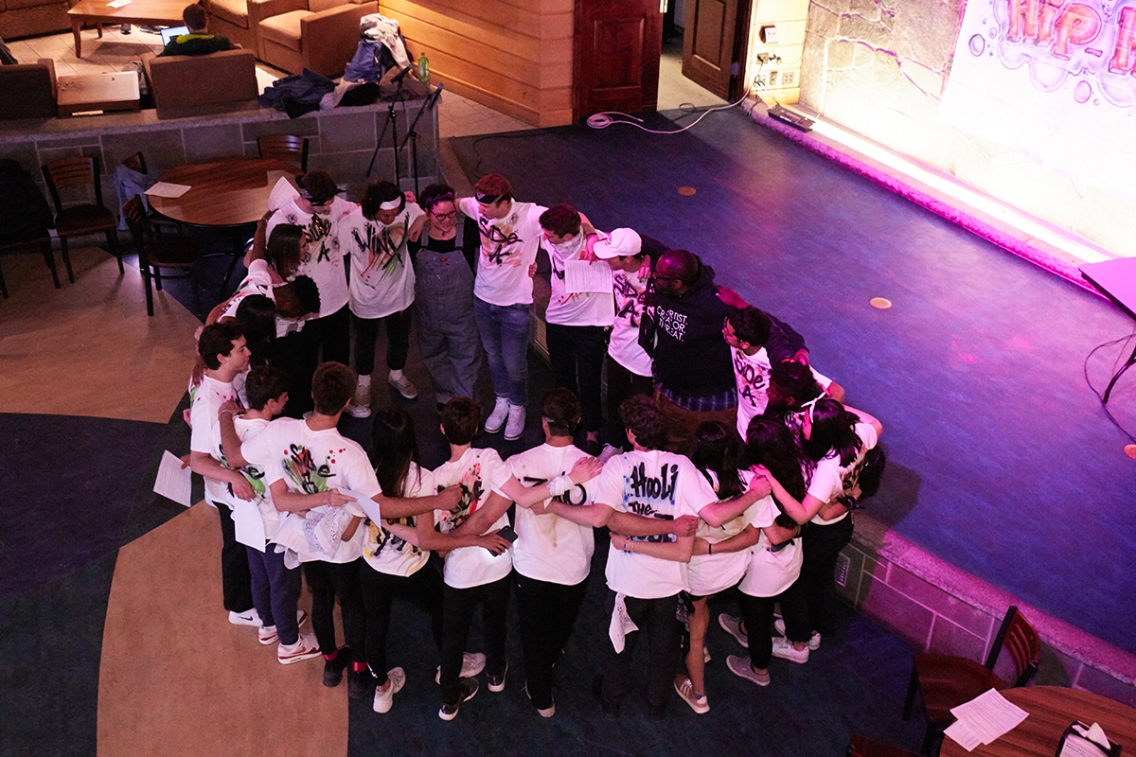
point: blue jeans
(275, 591)
(504, 333)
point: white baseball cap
(619, 243)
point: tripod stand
(412, 135)
(392, 123)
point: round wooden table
(1051, 710)
(226, 192)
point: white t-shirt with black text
(578, 308)
(624, 343)
(325, 263)
(478, 472)
(382, 277)
(389, 554)
(508, 247)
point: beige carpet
(177, 679)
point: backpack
(24, 214)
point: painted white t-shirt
(386, 552)
(769, 573)
(259, 281)
(550, 548)
(710, 574)
(508, 248)
(580, 308)
(246, 429)
(382, 277)
(624, 343)
(828, 480)
(310, 462)
(205, 402)
(324, 263)
(751, 372)
(654, 484)
(478, 472)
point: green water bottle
(423, 68)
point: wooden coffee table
(98, 92)
(98, 12)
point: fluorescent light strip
(1007, 215)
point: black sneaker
(333, 669)
(467, 687)
(360, 683)
(497, 682)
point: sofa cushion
(284, 29)
(233, 11)
(14, 4)
(315, 6)
(182, 82)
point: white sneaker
(496, 419)
(360, 406)
(733, 626)
(305, 648)
(404, 386)
(516, 425)
(814, 640)
(384, 699)
(697, 703)
(472, 664)
(784, 649)
(246, 618)
(267, 635)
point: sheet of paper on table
(118, 4)
(165, 189)
(174, 481)
(985, 718)
(282, 194)
(582, 276)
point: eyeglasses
(446, 216)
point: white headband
(391, 205)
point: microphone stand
(392, 122)
(412, 135)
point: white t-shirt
(550, 548)
(205, 402)
(580, 308)
(386, 552)
(828, 480)
(246, 429)
(508, 248)
(478, 472)
(710, 574)
(769, 573)
(259, 281)
(654, 484)
(624, 343)
(324, 262)
(310, 462)
(751, 372)
(382, 278)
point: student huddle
(739, 469)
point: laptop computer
(171, 32)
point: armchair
(320, 35)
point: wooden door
(713, 44)
(617, 48)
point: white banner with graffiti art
(1054, 78)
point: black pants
(423, 588)
(327, 581)
(398, 341)
(758, 615)
(576, 354)
(299, 353)
(457, 616)
(656, 618)
(236, 580)
(621, 384)
(548, 613)
(822, 545)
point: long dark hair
(283, 249)
(771, 443)
(833, 431)
(717, 450)
(257, 316)
(394, 447)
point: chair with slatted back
(862, 746)
(155, 253)
(84, 218)
(286, 147)
(946, 681)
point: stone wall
(879, 67)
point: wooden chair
(946, 681)
(156, 253)
(85, 218)
(286, 147)
(862, 746)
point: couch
(320, 35)
(25, 18)
(195, 85)
(29, 90)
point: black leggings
(422, 588)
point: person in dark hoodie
(694, 378)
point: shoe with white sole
(516, 423)
(732, 625)
(404, 386)
(472, 664)
(467, 687)
(784, 649)
(396, 679)
(705, 655)
(741, 666)
(305, 648)
(360, 406)
(246, 618)
(698, 703)
(496, 419)
(814, 640)
(267, 634)
(497, 682)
